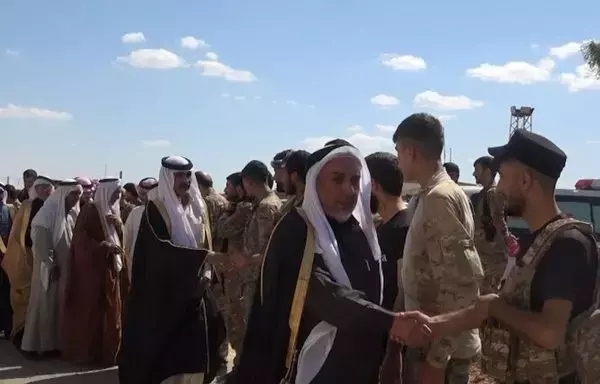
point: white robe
(43, 320)
(130, 232)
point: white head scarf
(187, 223)
(319, 342)
(105, 190)
(4, 194)
(52, 215)
(39, 181)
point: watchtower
(520, 118)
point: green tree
(591, 53)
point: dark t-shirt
(566, 272)
(392, 236)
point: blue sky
(77, 94)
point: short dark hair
(11, 191)
(258, 172)
(204, 179)
(235, 179)
(384, 169)
(280, 158)
(486, 162)
(337, 142)
(452, 167)
(425, 130)
(29, 173)
(297, 162)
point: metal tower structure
(520, 118)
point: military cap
(533, 150)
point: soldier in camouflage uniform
(541, 328)
(491, 232)
(278, 164)
(215, 203)
(441, 271)
(231, 226)
(294, 180)
(256, 234)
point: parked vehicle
(581, 203)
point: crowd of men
(332, 277)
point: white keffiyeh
(318, 344)
(187, 223)
(104, 193)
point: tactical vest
(510, 359)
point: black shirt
(392, 236)
(566, 272)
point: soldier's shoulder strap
(543, 240)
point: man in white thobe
(51, 233)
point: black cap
(533, 150)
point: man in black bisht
(343, 327)
(172, 329)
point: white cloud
(384, 101)
(519, 72)
(153, 59)
(583, 79)
(257, 98)
(403, 62)
(239, 98)
(214, 68)
(355, 128)
(225, 95)
(291, 102)
(12, 111)
(432, 99)
(133, 37)
(159, 143)
(386, 128)
(11, 52)
(211, 56)
(566, 50)
(190, 42)
(365, 143)
(535, 46)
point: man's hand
(114, 220)
(411, 331)
(111, 248)
(238, 259)
(431, 375)
(482, 308)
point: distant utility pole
(121, 175)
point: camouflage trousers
(457, 370)
(493, 268)
(236, 302)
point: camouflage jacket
(231, 226)
(510, 358)
(216, 205)
(441, 270)
(495, 218)
(287, 207)
(262, 221)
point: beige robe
(42, 324)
